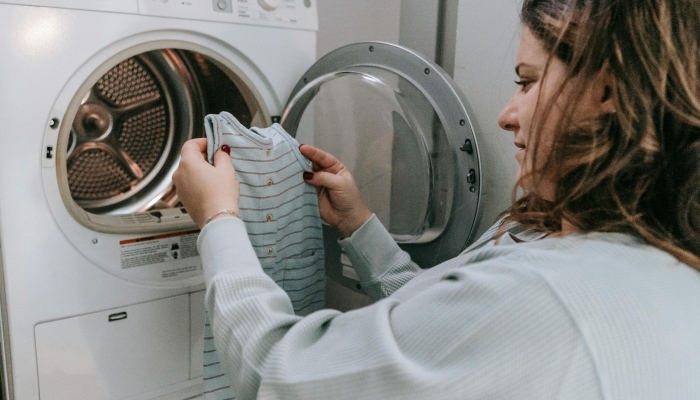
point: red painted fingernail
(308, 176)
(226, 149)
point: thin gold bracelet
(224, 211)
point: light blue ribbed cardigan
(586, 316)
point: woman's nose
(508, 119)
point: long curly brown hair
(637, 170)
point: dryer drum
(127, 134)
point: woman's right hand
(339, 200)
(206, 189)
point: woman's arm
(486, 331)
(379, 262)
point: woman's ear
(598, 97)
(604, 92)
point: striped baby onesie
(281, 215)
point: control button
(223, 6)
(270, 5)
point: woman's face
(518, 114)
(535, 85)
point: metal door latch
(471, 178)
(467, 147)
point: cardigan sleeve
(488, 331)
(379, 262)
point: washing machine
(101, 292)
(102, 289)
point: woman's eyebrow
(520, 66)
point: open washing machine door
(403, 129)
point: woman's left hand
(205, 189)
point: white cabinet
(116, 353)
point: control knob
(270, 5)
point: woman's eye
(523, 83)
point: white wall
(344, 22)
(487, 39)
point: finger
(319, 157)
(201, 142)
(193, 148)
(222, 160)
(327, 180)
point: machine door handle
(117, 316)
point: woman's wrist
(204, 216)
(347, 227)
(222, 214)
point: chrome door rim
(450, 106)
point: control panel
(293, 14)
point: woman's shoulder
(598, 271)
(599, 277)
(602, 254)
(621, 293)
(609, 251)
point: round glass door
(390, 138)
(398, 123)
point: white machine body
(83, 320)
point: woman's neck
(567, 228)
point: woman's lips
(520, 154)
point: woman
(588, 289)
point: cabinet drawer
(116, 353)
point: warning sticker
(170, 248)
(172, 273)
